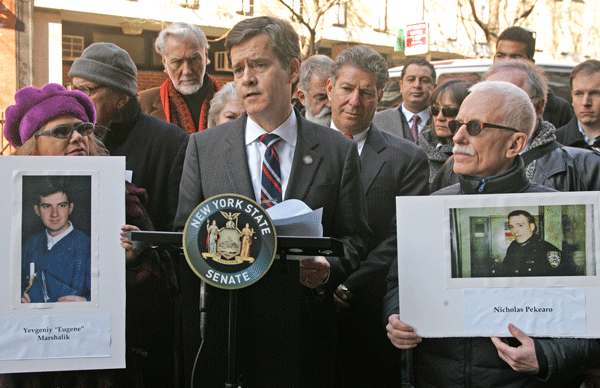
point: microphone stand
(286, 245)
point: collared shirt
(255, 150)
(359, 139)
(54, 240)
(585, 135)
(424, 115)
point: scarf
(544, 134)
(177, 111)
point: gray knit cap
(107, 64)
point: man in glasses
(154, 149)
(490, 131)
(391, 166)
(417, 82)
(55, 262)
(547, 162)
(519, 43)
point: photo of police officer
(56, 245)
(529, 254)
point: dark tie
(414, 129)
(270, 191)
(349, 136)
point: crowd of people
(190, 139)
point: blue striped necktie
(270, 190)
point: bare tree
(496, 9)
(311, 15)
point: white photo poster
(60, 224)
(479, 262)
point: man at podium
(271, 153)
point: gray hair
(222, 97)
(284, 39)
(319, 65)
(180, 30)
(536, 79)
(364, 58)
(515, 105)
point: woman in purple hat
(53, 121)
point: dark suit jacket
(393, 121)
(216, 163)
(390, 167)
(569, 135)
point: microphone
(203, 308)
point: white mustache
(463, 149)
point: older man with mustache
(490, 131)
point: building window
(379, 15)
(221, 61)
(247, 7)
(340, 9)
(72, 47)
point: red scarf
(177, 111)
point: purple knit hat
(35, 107)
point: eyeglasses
(65, 131)
(85, 89)
(473, 127)
(447, 112)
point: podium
(277, 343)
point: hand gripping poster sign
(59, 224)
(478, 263)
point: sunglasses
(65, 131)
(473, 127)
(447, 112)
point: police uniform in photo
(535, 257)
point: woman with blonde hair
(53, 121)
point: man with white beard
(312, 89)
(184, 98)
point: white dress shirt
(424, 115)
(359, 139)
(255, 150)
(54, 240)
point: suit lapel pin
(308, 159)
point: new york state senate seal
(229, 241)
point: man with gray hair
(546, 161)
(312, 89)
(490, 131)
(391, 167)
(184, 98)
